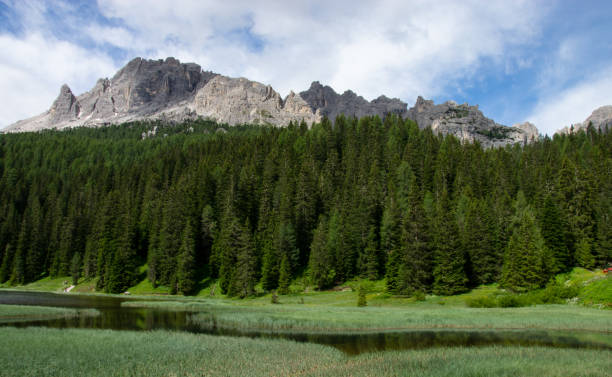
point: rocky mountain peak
(600, 119)
(168, 90)
(65, 107)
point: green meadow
(71, 352)
(53, 352)
(19, 313)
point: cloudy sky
(549, 62)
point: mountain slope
(172, 91)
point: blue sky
(548, 62)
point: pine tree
(75, 268)
(270, 263)
(370, 256)
(524, 259)
(286, 245)
(415, 273)
(186, 271)
(553, 231)
(208, 229)
(390, 233)
(5, 267)
(584, 254)
(18, 273)
(449, 272)
(243, 280)
(284, 278)
(321, 263)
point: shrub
(509, 301)
(274, 298)
(361, 297)
(482, 302)
(419, 296)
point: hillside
(252, 205)
(175, 92)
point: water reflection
(114, 316)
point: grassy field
(17, 313)
(318, 318)
(52, 352)
(55, 352)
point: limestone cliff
(172, 91)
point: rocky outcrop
(237, 101)
(468, 124)
(171, 91)
(331, 104)
(600, 119)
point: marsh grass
(74, 352)
(20, 313)
(305, 318)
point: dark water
(114, 316)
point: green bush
(509, 301)
(419, 296)
(361, 297)
(482, 302)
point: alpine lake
(113, 313)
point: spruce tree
(524, 261)
(449, 272)
(243, 279)
(186, 271)
(75, 268)
(390, 233)
(553, 231)
(321, 263)
(5, 266)
(284, 278)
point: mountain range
(171, 91)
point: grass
(318, 318)
(53, 352)
(18, 313)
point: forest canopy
(246, 205)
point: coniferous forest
(253, 205)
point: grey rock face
(600, 119)
(237, 101)
(331, 104)
(468, 124)
(172, 91)
(66, 107)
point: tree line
(250, 205)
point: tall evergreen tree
(322, 273)
(449, 272)
(553, 231)
(524, 260)
(186, 272)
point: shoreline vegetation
(306, 310)
(26, 352)
(19, 313)
(96, 352)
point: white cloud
(399, 48)
(574, 104)
(394, 47)
(35, 67)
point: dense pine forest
(256, 205)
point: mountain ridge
(172, 91)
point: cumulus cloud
(399, 48)
(574, 104)
(33, 68)
(394, 47)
